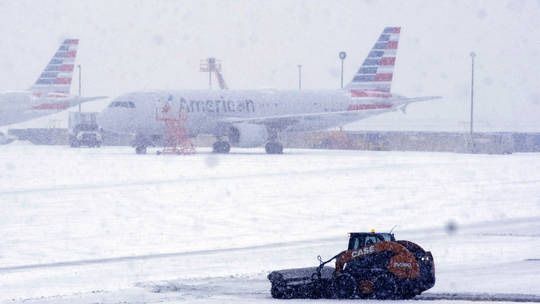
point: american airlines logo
(217, 106)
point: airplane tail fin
(377, 71)
(55, 80)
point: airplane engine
(247, 135)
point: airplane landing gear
(141, 142)
(222, 147)
(140, 149)
(273, 148)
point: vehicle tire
(222, 147)
(274, 148)
(140, 150)
(385, 287)
(226, 147)
(345, 286)
(365, 289)
(329, 291)
(407, 295)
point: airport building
(460, 142)
(488, 142)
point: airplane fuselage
(253, 117)
(206, 110)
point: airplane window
(122, 104)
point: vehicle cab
(359, 240)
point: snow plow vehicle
(375, 266)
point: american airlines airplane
(250, 118)
(50, 93)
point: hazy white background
(136, 45)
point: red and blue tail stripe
(55, 80)
(376, 72)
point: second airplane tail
(55, 80)
(376, 73)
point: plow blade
(302, 283)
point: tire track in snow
(480, 297)
(63, 188)
(184, 180)
(426, 232)
(121, 259)
(258, 288)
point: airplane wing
(77, 100)
(289, 119)
(283, 121)
(61, 104)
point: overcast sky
(138, 45)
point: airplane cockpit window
(122, 104)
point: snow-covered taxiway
(107, 226)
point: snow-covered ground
(106, 225)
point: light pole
(342, 56)
(472, 54)
(211, 67)
(79, 67)
(299, 77)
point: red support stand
(176, 139)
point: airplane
(49, 94)
(251, 118)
